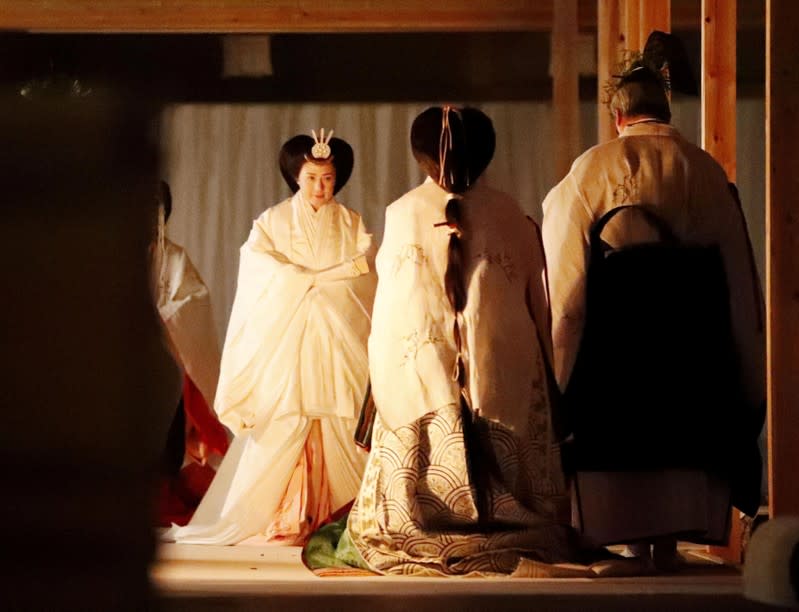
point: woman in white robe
(463, 476)
(294, 366)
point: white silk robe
(295, 352)
(504, 326)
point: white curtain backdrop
(221, 162)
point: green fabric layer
(331, 546)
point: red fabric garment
(179, 496)
(202, 426)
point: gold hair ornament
(321, 148)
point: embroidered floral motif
(414, 342)
(627, 191)
(502, 260)
(410, 252)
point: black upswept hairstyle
(297, 150)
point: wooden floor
(200, 578)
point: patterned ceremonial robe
(293, 376)
(417, 510)
(651, 163)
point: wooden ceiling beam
(287, 16)
(273, 16)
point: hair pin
(452, 228)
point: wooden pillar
(609, 54)
(643, 16)
(719, 27)
(632, 25)
(782, 253)
(655, 15)
(565, 86)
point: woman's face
(317, 182)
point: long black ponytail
(454, 147)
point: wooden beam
(782, 253)
(609, 54)
(718, 81)
(565, 86)
(273, 15)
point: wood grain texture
(718, 82)
(275, 16)
(655, 15)
(631, 27)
